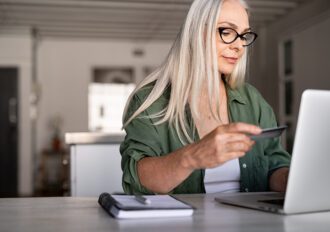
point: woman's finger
(231, 137)
(241, 127)
(238, 146)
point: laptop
(308, 188)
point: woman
(188, 123)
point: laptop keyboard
(274, 201)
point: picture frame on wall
(118, 75)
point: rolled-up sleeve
(277, 156)
(141, 140)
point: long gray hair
(191, 62)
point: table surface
(61, 214)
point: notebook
(128, 206)
(308, 188)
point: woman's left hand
(278, 180)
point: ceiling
(136, 20)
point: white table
(84, 214)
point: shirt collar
(235, 95)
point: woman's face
(233, 15)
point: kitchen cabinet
(95, 163)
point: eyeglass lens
(229, 35)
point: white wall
(16, 51)
(65, 71)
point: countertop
(93, 138)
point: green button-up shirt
(144, 139)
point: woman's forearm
(163, 174)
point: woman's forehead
(233, 12)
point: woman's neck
(208, 111)
(205, 90)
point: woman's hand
(278, 180)
(224, 143)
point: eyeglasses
(229, 35)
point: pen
(142, 199)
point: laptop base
(261, 201)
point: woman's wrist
(185, 157)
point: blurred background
(69, 66)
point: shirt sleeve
(277, 156)
(141, 141)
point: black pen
(142, 199)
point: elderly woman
(188, 123)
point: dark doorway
(8, 131)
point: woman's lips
(231, 60)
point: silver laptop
(308, 188)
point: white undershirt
(224, 178)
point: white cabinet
(95, 168)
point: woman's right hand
(224, 143)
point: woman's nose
(237, 44)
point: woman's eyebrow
(234, 26)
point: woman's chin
(226, 69)
(226, 72)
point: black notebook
(127, 206)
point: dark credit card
(269, 133)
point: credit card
(269, 133)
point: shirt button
(244, 165)
(246, 189)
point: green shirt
(144, 139)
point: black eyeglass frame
(241, 36)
